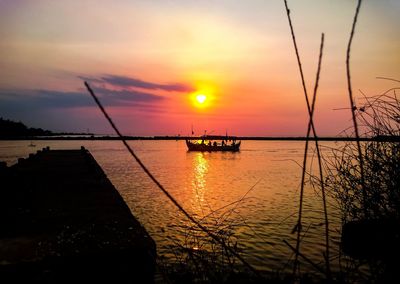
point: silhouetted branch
(352, 105)
(304, 257)
(328, 270)
(310, 109)
(161, 187)
(389, 79)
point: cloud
(129, 82)
(126, 96)
(41, 99)
(113, 91)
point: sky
(149, 60)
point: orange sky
(145, 59)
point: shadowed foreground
(63, 221)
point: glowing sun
(201, 98)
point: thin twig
(389, 79)
(305, 258)
(328, 270)
(161, 187)
(298, 225)
(310, 109)
(352, 105)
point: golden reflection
(200, 167)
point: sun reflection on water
(199, 184)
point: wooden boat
(210, 144)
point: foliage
(376, 195)
(11, 129)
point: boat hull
(212, 148)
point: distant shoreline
(254, 138)
(17, 131)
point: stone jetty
(62, 221)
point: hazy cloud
(113, 91)
(40, 99)
(126, 96)
(128, 82)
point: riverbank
(63, 221)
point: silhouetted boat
(209, 144)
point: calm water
(266, 173)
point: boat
(31, 145)
(213, 144)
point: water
(265, 176)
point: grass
(368, 192)
(380, 117)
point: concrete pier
(62, 221)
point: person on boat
(223, 143)
(215, 143)
(209, 143)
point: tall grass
(368, 200)
(375, 192)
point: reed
(379, 116)
(377, 205)
(164, 190)
(353, 107)
(310, 109)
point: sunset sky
(148, 60)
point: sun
(201, 98)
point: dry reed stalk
(162, 188)
(310, 127)
(353, 108)
(327, 246)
